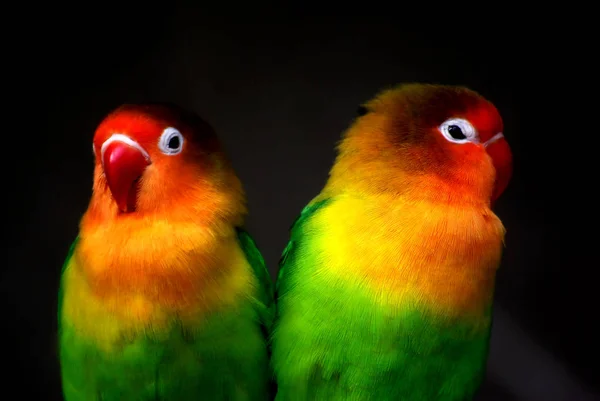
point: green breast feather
(331, 342)
(227, 359)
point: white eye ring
(171, 141)
(452, 126)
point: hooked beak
(123, 162)
(499, 151)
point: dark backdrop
(279, 92)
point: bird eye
(171, 141)
(458, 130)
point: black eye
(362, 110)
(459, 131)
(171, 141)
(174, 143)
(455, 132)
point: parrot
(385, 288)
(164, 296)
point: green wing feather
(266, 304)
(304, 215)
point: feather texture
(386, 286)
(173, 301)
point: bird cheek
(152, 189)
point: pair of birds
(384, 289)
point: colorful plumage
(163, 295)
(385, 288)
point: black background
(279, 91)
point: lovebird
(385, 288)
(163, 295)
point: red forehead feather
(140, 126)
(486, 119)
(145, 123)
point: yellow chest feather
(109, 299)
(413, 253)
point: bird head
(445, 141)
(154, 158)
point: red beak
(124, 162)
(501, 156)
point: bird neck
(377, 178)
